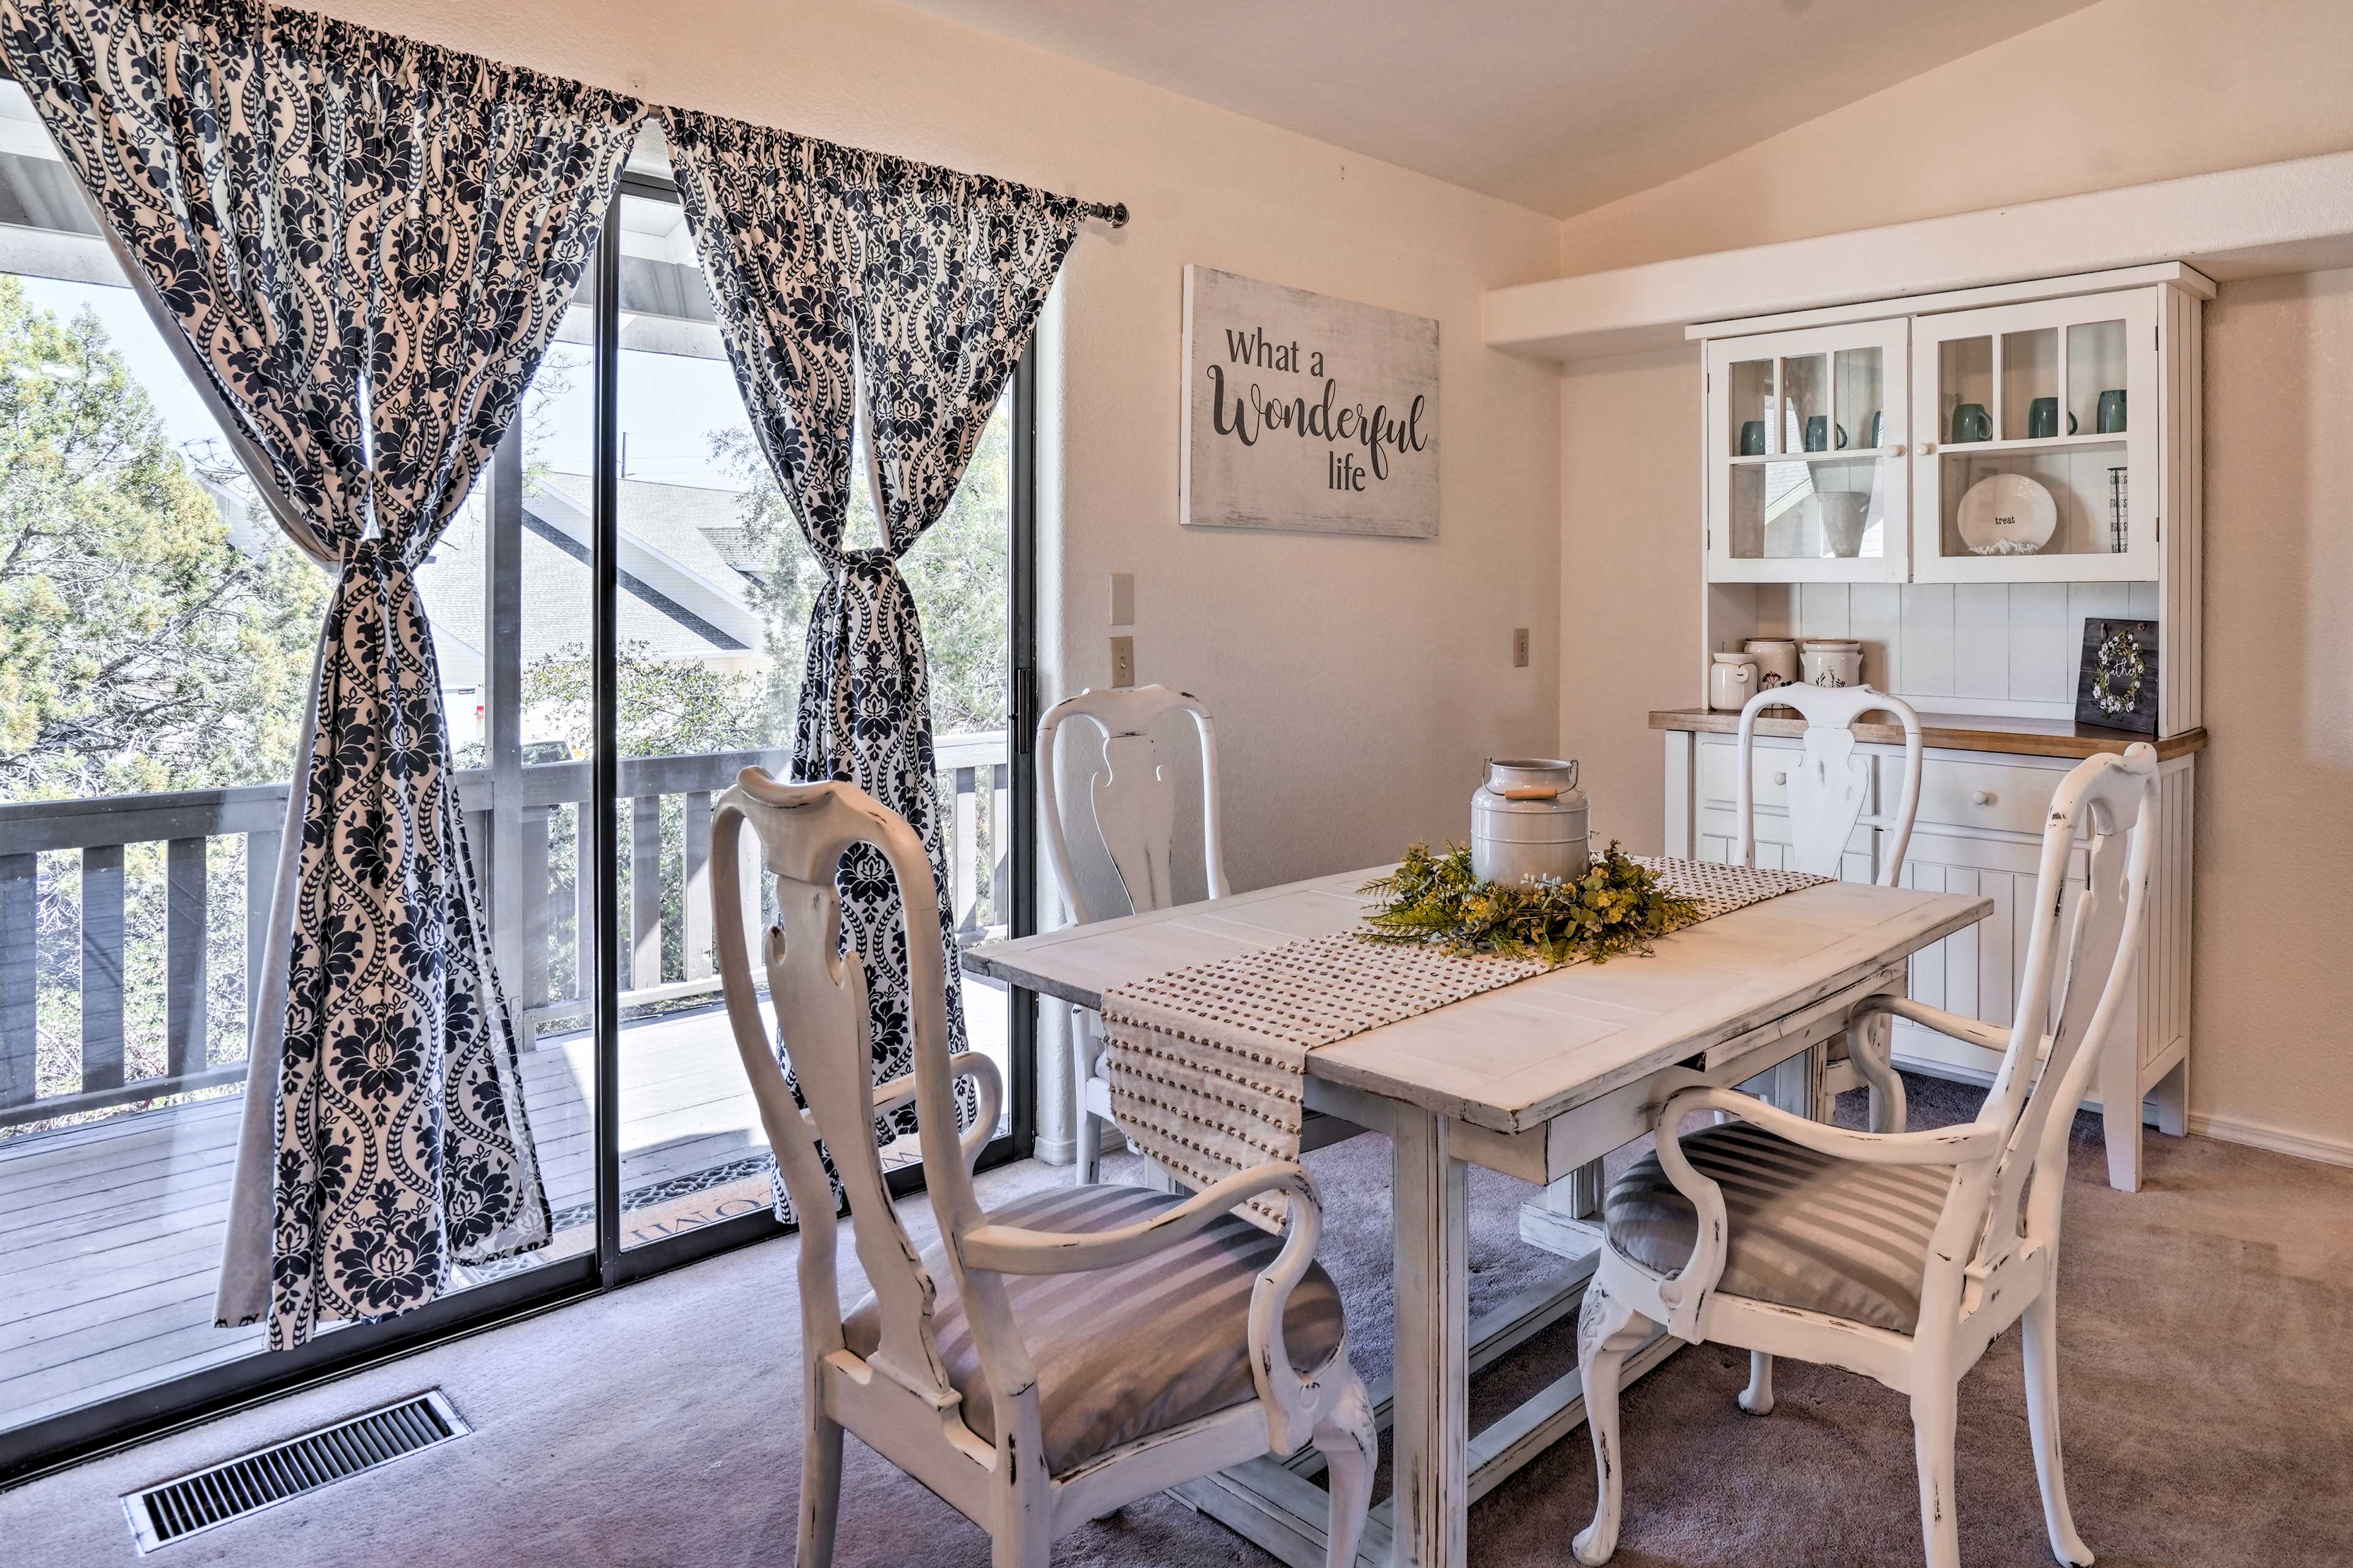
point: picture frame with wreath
(2116, 686)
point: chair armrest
(1015, 1249)
(1951, 1025)
(1686, 1294)
(1937, 1146)
(899, 1091)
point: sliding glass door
(714, 584)
(618, 617)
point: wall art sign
(2116, 685)
(1306, 412)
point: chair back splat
(1827, 785)
(1133, 799)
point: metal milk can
(1529, 820)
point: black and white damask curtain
(840, 275)
(366, 243)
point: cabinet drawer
(1768, 767)
(1980, 794)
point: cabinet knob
(1781, 778)
(1981, 797)
(1927, 448)
(1896, 450)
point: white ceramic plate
(2007, 514)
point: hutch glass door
(1806, 436)
(2038, 437)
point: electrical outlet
(1123, 662)
(1123, 598)
(1519, 647)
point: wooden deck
(110, 1233)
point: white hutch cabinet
(1841, 449)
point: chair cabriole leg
(1350, 1443)
(1606, 1329)
(2041, 1345)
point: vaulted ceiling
(1559, 105)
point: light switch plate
(1519, 647)
(1123, 598)
(1123, 662)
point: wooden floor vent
(251, 1482)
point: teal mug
(1752, 438)
(1817, 434)
(1878, 430)
(2042, 419)
(2112, 412)
(1972, 423)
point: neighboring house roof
(680, 598)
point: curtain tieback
(374, 551)
(872, 569)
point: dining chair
(1048, 1361)
(1827, 787)
(1134, 804)
(1897, 1255)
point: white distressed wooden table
(1534, 1080)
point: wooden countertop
(1951, 732)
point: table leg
(1567, 1219)
(1433, 1320)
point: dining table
(1537, 1080)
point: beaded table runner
(1207, 1065)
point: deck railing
(527, 833)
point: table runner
(1207, 1065)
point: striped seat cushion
(1808, 1230)
(1123, 1353)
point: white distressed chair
(1135, 813)
(1826, 786)
(1048, 1360)
(1897, 1255)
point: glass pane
(1859, 402)
(1963, 391)
(1805, 404)
(1830, 509)
(161, 631)
(2030, 384)
(716, 585)
(2095, 376)
(1750, 401)
(2069, 502)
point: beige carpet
(2207, 1344)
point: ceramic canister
(1732, 681)
(1830, 661)
(1528, 819)
(1776, 661)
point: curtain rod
(1111, 213)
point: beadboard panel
(1987, 648)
